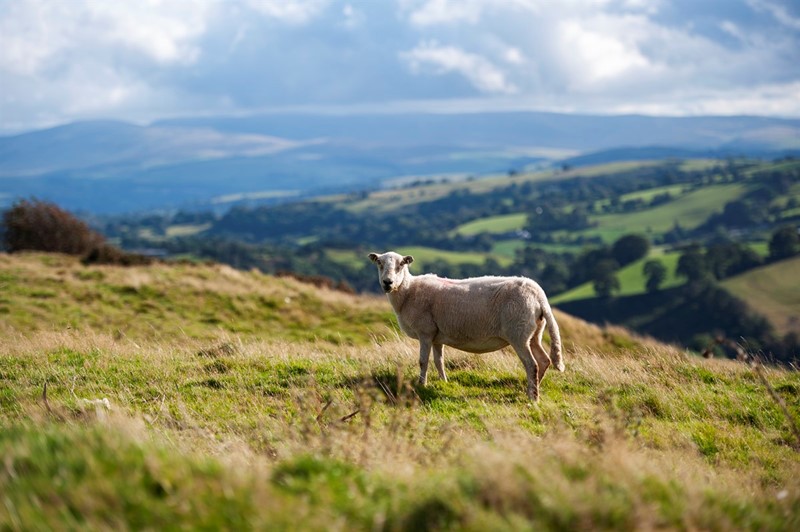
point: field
(690, 210)
(423, 254)
(773, 291)
(494, 224)
(200, 397)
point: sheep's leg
(439, 360)
(542, 358)
(424, 356)
(531, 368)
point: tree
(630, 248)
(41, 226)
(604, 278)
(656, 274)
(725, 259)
(692, 265)
(785, 243)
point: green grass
(649, 194)
(690, 210)
(270, 430)
(193, 301)
(424, 254)
(494, 224)
(773, 291)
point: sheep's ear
(373, 257)
(408, 259)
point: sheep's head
(392, 269)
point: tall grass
(221, 429)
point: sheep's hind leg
(542, 358)
(424, 356)
(531, 368)
(438, 360)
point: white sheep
(477, 315)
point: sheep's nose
(387, 285)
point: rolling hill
(773, 291)
(203, 397)
(206, 162)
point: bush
(108, 254)
(41, 226)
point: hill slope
(199, 424)
(773, 291)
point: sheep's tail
(556, 351)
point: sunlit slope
(55, 292)
(773, 291)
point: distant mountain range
(113, 167)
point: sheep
(477, 315)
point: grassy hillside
(773, 291)
(233, 402)
(690, 210)
(424, 254)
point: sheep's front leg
(438, 360)
(424, 356)
(531, 369)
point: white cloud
(36, 34)
(778, 11)
(291, 11)
(70, 59)
(479, 71)
(597, 56)
(449, 12)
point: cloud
(291, 11)
(40, 35)
(780, 12)
(67, 60)
(479, 71)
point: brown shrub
(108, 254)
(320, 281)
(41, 226)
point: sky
(141, 60)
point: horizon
(346, 112)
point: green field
(202, 398)
(494, 224)
(690, 210)
(650, 193)
(631, 279)
(423, 254)
(773, 291)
